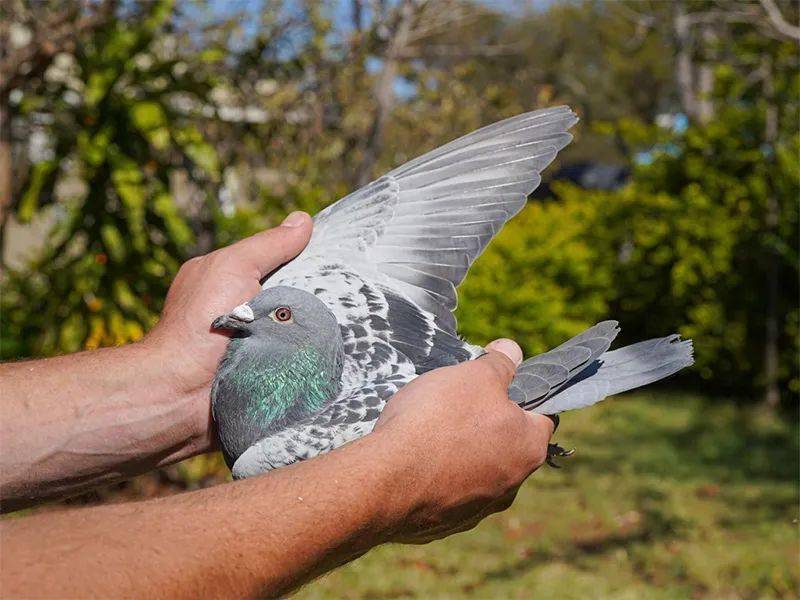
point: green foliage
(119, 237)
(165, 105)
(685, 247)
(543, 279)
(682, 248)
(704, 204)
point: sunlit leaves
(103, 275)
(151, 119)
(199, 150)
(545, 278)
(113, 242)
(41, 177)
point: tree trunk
(772, 394)
(684, 65)
(384, 92)
(705, 77)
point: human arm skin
(74, 422)
(449, 449)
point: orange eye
(283, 314)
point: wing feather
(418, 229)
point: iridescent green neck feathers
(261, 389)
(300, 382)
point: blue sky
(341, 10)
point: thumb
(266, 251)
(505, 356)
(508, 348)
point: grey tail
(580, 372)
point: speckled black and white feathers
(387, 341)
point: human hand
(467, 447)
(207, 286)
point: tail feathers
(540, 377)
(619, 371)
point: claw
(554, 450)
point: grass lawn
(667, 496)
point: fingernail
(294, 219)
(508, 347)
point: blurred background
(134, 135)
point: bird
(368, 306)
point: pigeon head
(281, 316)
(283, 363)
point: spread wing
(418, 228)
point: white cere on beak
(244, 313)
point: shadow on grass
(703, 444)
(569, 553)
(653, 525)
(728, 445)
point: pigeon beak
(237, 319)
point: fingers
(502, 356)
(508, 356)
(266, 251)
(503, 351)
(508, 348)
(543, 424)
(537, 438)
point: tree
(703, 240)
(115, 106)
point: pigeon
(367, 306)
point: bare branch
(58, 33)
(778, 21)
(437, 18)
(384, 90)
(641, 19)
(442, 50)
(710, 17)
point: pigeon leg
(554, 450)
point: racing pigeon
(367, 306)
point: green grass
(668, 496)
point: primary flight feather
(367, 306)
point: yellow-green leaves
(159, 13)
(150, 118)
(97, 85)
(113, 242)
(212, 55)
(41, 174)
(132, 190)
(178, 230)
(199, 150)
(92, 146)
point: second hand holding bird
(471, 447)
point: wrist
(186, 399)
(398, 486)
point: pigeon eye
(282, 314)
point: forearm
(73, 422)
(262, 536)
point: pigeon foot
(554, 450)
